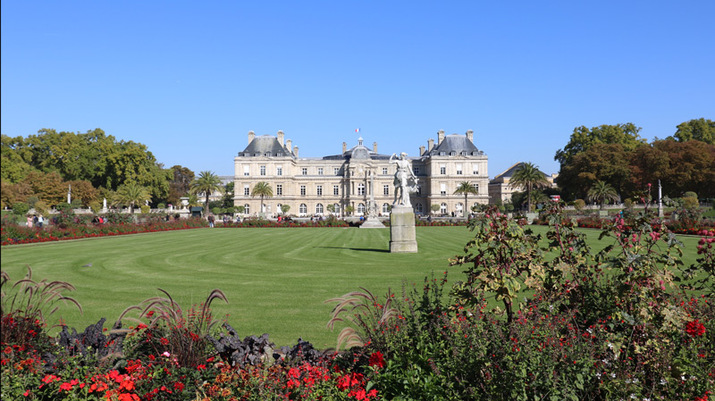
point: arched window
(303, 209)
(361, 208)
(418, 208)
(443, 208)
(336, 208)
(459, 207)
(319, 208)
(278, 208)
(385, 208)
(247, 208)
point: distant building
(501, 189)
(348, 179)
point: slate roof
(265, 145)
(508, 173)
(454, 143)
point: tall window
(476, 187)
(336, 190)
(418, 208)
(443, 169)
(416, 170)
(304, 171)
(385, 189)
(320, 171)
(246, 190)
(384, 170)
(336, 170)
(475, 169)
(263, 170)
(279, 189)
(443, 208)
(459, 169)
(303, 208)
(361, 189)
(319, 190)
(361, 208)
(279, 170)
(302, 190)
(246, 208)
(385, 208)
(246, 169)
(442, 188)
(319, 208)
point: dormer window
(453, 153)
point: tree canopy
(94, 158)
(528, 177)
(465, 188)
(700, 130)
(617, 156)
(584, 138)
(207, 183)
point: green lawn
(276, 279)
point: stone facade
(347, 179)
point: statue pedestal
(372, 222)
(402, 230)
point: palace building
(346, 182)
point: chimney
(422, 150)
(280, 137)
(440, 136)
(374, 147)
(251, 136)
(470, 136)
(295, 151)
(345, 147)
(289, 145)
(430, 144)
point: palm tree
(528, 177)
(207, 183)
(466, 188)
(132, 194)
(262, 189)
(601, 192)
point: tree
(601, 162)
(465, 188)
(584, 138)
(700, 130)
(601, 192)
(132, 194)
(262, 189)
(180, 184)
(528, 177)
(84, 191)
(435, 207)
(206, 184)
(285, 208)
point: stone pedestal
(372, 222)
(402, 230)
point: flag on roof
(357, 129)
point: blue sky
(190, 79)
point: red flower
(695, 328)
(179, 386)
(164, 341)
(376, 359)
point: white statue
(405, 180)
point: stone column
(403, 238)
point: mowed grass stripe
(276, 279)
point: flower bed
(12, 234)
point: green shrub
(20, 208)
